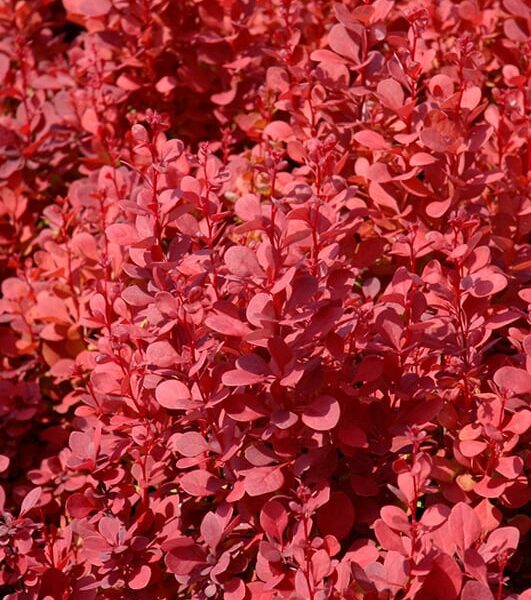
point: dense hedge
(264, 325)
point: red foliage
(264, 324)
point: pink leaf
(225, 97)
(474, 590)
(200, 483)
(510, 466)
(501, 541)
(435, 515)
(134, 296)
(274, 519)
(513, 379)
(471, 97)
(173, 394)
(248, 207)
(227, 324)
(190, 444)
(260, 310)
(396, 518)
(140, 578)
(391, 94)
(161, 354)
(406, 485)
(421, 159)
(362, 552)
(242, 261)
(437, 209)
(471, 448)
(278, 130)
(109, 527)
(94, 8)
(237, 377)
(371, 139)
(122, 234)
(320, 565)
(340, 40)
(381, 198)
(322, 414)
(30, 500)
(263, 480)
(490, 487)
(166, 84)
(4, 463)
(211, 530)
(464, 527)
(387, 538)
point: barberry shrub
(264, 324)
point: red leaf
(79, 506)
(444, 580)
(184, 556)
(327, 516)
(352, 435)
(322, 414)
(250, 369)
(369, 369)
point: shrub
(264, 323)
